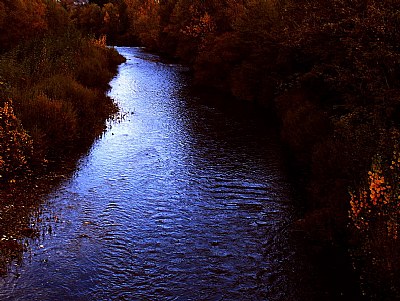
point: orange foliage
(16, 148)
(21, 19)
(200, 25)
(100, 42)
(380, 200)
(146, 21)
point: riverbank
(193, 203)
(329, 72)
(53, 106)
(52, 100)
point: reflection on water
(179, 200)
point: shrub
(377, 202)
(55, 118)
(57, 83)
(16, 148)
(375, 214)
(83, 100)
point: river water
(184, 197)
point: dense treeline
(53, 80)
(330, 71)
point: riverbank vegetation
(330, 72)
(53, 80)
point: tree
(112, 25)
(21, 20)
(145, 21)
(88, 18)
(56, 16)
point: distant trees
(102, 18)
(88, 18)
(57, 17)
(144, 21)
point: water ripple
(177, 202)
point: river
(184, 197)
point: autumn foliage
(16, 148)
(330, 71)
(21, 20)
(379, 202)
(52, 84)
